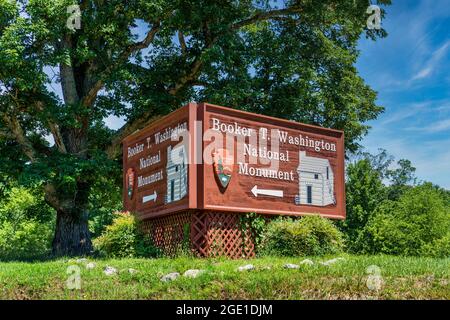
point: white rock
(332, 261)
(91, 265)
(291, 266)
(193, 273)
(83, 260)
(247, 267)
(170, 277)
(132, 271)
(307, 262)
(110, 271)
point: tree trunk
(72, 236)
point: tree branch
(265, 15)
(19, 135)
(191, 76)
(54, 129)
(89, 99)
(195, 67)
(144, 43)
(194, 70)
(68, 82)
(182, 43)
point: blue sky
(410, 71)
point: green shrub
(411, 225)
(26, 225)
(364, 192)
(25, 240)
(255, 224)
(439, 248)
(310, 235)
(22, 204)
(104, 200)
(123, 239)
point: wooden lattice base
(207, 234)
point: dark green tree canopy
(292, 59)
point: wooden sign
(216, 158)
(157, 175)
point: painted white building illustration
(177, 174)
(316, 181)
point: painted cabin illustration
(316, 181)
(177, 174)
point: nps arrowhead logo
(130, 182)
(223, 166)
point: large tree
(293, 59)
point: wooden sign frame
(204, 190)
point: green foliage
(403, 174)
(16, 204)
(308, 236)
(104, 200)
(411, 225)
(21, 204)
(26, 225)
(401, 179)
(380, 161)
(366, 195)
(255, 224)
(364, 191)
(123, 239)
(439, 248)
(24, 240)
(186, 243)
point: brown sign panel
(156, 166)
(216, 158)
(280, 167)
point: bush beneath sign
(122, 239)
(308, 236)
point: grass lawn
(402, 278)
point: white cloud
(407, 111)
(439, 126)
(434, 126)
(423, 73)
(432, 64)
